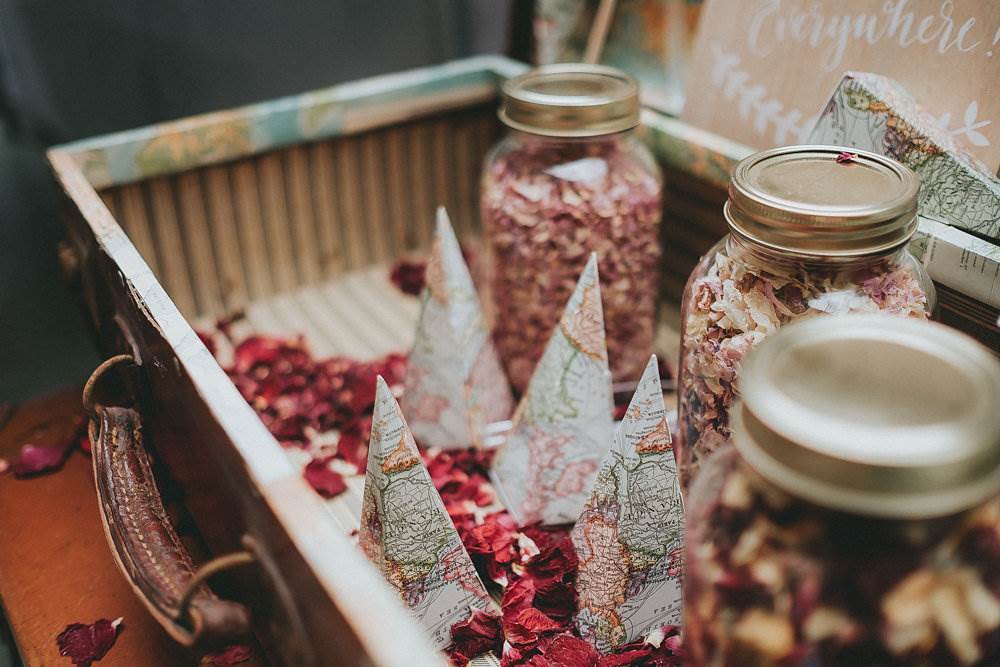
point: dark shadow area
(72, 70)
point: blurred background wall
(73, 69)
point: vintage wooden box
(293, 209)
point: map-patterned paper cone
(629, 537)
(407, 533)
(455, 384)
(563, 425)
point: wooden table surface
(55, 565)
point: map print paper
(629, 537)
(454, 382)
(563, 425)
(407, 533)
(877, 114)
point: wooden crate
(293, 209)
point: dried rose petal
(352, 446)
(570, 651)
(84, 644)
(733, 303)
(208, 341)
(39, 459)
(36, 459)
(408, 276)
(666, 651)
(775, 580)
(4, 466)
(327, 482)
(525, 626)
(556, 557)
(236, 654)
(478, 634)
(298, 396)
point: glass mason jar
(855, 519)
(812, 233)
(570, 178)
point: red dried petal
(570, 651)
(668, 653)
(556, 557)
(393, 368)
(328, 483)
(297, 396)
(224, 324)
(207, 340)
(409, 277)
(492, 538)
(352, 447)
(236, 654)
(556, 597)
(472, 637)
(39, 459)
(84, 644)
(527, 625)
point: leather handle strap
(147, 549)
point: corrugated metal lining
(220, 237)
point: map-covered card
(407, 533)
(629, 537)
(875, 113)
(562, 427)
(455, 384)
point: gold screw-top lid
(571, 100)
(873, 414)
(823, 200)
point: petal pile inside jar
(774, 580)
(733, 305)
(546, 206)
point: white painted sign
(763, 69)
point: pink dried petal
(734, 303)
(39, 459)
(327, 482)
(4, 466)
(544, 209)
(352, 447)
(84, 644)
